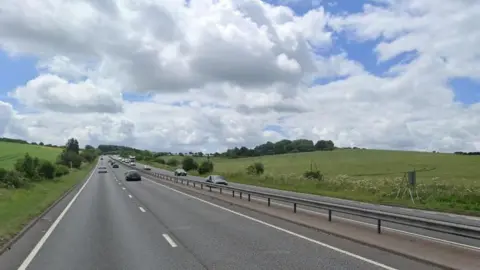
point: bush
(313, 175)
(189, 164)
(160, 160)
(46, 169)
(61, 170)
(205, 167)
(172, 162)
(14, 179)
(70, 158)
(27, 165)
(256, 168)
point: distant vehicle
(101, 158)
(133, 176)
(180, 172)
(102, 169)
(216, 179)
(131, 159)
(115, 165)
(132, 164)
(147, 168)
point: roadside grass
(445, 182)
(19, 206)
(10, 152)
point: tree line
(468, 153)
(3, 139)
(29, 169)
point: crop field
(10, 152)
(445, 182)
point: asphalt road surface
(425, 234)
(113, 224)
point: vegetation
(34, 180)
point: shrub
(160, 160)
(27, 165)
(14, 179)
(61, 170)
(70, 158)
(256, 168)
(46, 169)
(205, 167)
(313, 175)
(172, 162)
(189, 163)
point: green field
(19, 206)
(10, 152)
(446, 182)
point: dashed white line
(141, 209)
(281, 229)
(169, 240)
(42, 241)
(123, 188)
(130, 196)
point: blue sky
(17, 70)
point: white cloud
(220, 73)
(51, 92)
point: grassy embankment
(446, 182)
(19, 206)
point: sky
(206, 75)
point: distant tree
(189, 164)
(89, 147)
(72, 146)
(41, 143)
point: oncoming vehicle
(102, 169)
(147, 168)
(216, 179)
(115, 165)
(133, 176)
(180, 172)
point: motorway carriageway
(108, 223)
(458, 241)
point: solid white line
(430, 238)
(42, 241)
(130, 196)
(169, 240)
(282, 229)
(141, 209)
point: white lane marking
(42, 241)
(141, 209)
(123, 188)
(130, 196)
(169, 240)
(430, 238)
(281, 229)
(433, 239)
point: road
(425, 234)
(113, 224)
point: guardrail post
(329, 215)
(210, 188)
(220, 190)
(268, 201)
(193, 184)
(201, 185)
(379, 226)
(249, 197)
(233, 193)
(294, 207)
(240, 195)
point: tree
(41, 143)
(189, 164)
(89, 147)
(205, 167)
(72, 146)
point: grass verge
(19, 206)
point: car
(115, 165)
(147, 168)
(216, 179)
(102, 169)
(180, 172)
(133, 176)
(132, 164)
(101, 158)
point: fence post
(329, 215)
(268, 201)
(295, 207)
(248, 196)
(379, 226)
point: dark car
(180, 172)
(115, 165)
(216, 179)
(102, 169)
(132, 176)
